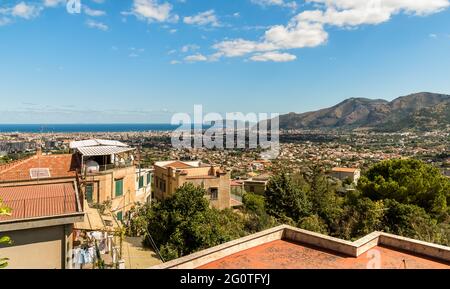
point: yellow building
(108, 173)
(170, 175)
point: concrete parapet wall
(415, 246)
(319, 240)
(288, 233)
(209, 255)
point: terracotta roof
(59, 166)
(39, 200)
(282, 254)
(178, 165)
(345, 170)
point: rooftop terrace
(286, 247)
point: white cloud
(273, 56)
(189, 47)
(354, 12)
(282, 3)
(173, 62)
(93, 12)
(53, 3)
(97, 25)
(196, 58)
(152, 10)
(204, 18)
(297, 35)
(25, 11)
(308, 28)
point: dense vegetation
(404, 197)
(4, 239)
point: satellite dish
(92, 166)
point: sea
(80, 128)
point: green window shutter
(119, 216)
(141, 182)
(119, 188)
(89, 193)
(149, 178)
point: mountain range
(420, 111)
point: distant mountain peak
(423, 110)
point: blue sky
(143, 60)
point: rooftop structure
(108, 173)
(96, 142)
(286, 247)
(102, 155)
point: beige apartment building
(346, 173)
(257, 184)
(109, 174)
(170, 175)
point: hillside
(420, 111)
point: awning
(103, 150)
(96, 142)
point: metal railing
(108, 167)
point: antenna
(39, 153)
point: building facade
(108, 174)
(353, 174)
(170, 175)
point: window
(119, 188)
(252, 189)
(214, 193)
(141, 182)
(89, 193)
(149, 178)
(119, 216)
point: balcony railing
(108, 167)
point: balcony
(101, 169)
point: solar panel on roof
(38, 173)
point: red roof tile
(59, 166)
(39, 200)
(345, 170)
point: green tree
(256, 217)
(325, 203)
(184, 223)
(360, 217)
(285, 200)
(4, 211)
(408, 182)
(313, 223)
(413, 222)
